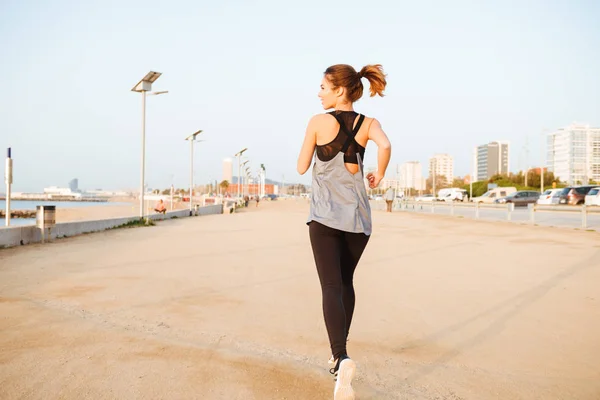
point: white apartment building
(411, 175)
(228, 170)
(442, 165)
(573, 154)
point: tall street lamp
(247, 173)
(239, 156)
(241, 192)
(473, 172)
(543, 163)
(9, 180)
(192, 139)
(144, 86)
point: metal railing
(476, 209)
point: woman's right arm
(308, 146)
(384, 152)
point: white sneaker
(343, 384)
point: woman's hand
(374, 179)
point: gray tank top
(339, 198)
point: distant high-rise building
(442, 165)
(411, 175)
(74, 185)
(491, 159)
(228, 170)
(574, 154)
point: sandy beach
(228, 307)
(109, 210)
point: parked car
(520, 198)
(593, 197)
(425, 197)
(493, 194)
(575, 195)
(550, 196)
(453, 194)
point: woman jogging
(340, 215)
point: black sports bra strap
(361, 118)
(350, 135)
(358, 124)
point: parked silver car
(550, 196)
(520, 198)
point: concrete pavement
(228, 307)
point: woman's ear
(340, 91)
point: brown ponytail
(376, 77)
(342, 75)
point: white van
(493, 194)
(453, 194)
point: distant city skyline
(460, 74)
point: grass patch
(135, 223)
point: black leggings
(336, 256)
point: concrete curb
(22, 235)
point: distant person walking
(340, 215)
(389, 199)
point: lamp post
(8, 178)
(473, 174)
(543, 160)
(239, 156)
(241, 192)
(434, 176)
(192, 139)
(143, 87)
(247, 174)
(262, 175)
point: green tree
(479, 188)
(224, 185)
(458, 182)
(440, 183)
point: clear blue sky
(460, 73)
